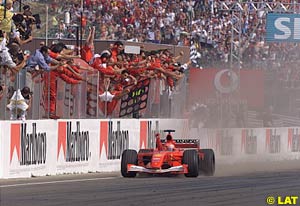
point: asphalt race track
(232, 185)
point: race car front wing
(175, 169)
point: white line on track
(55, 182)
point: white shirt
(6, 59)
(106, 97)
(151, 35)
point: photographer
(16, 37)
(11, 57)
(28, 16)
(5, 57)
(24, 22)
(20, 103)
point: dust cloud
(249, 167)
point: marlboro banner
(214, 85)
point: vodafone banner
(49, 147)
(209, 85)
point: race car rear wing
(185, 143)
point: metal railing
(81, 101)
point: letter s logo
(234, 81)
(284, 29)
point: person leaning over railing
(120, 72)
(39, 61)
(64, 72)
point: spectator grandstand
(209, 24)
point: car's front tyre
(128, 157)
(191, 158)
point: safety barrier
(255, 144)
(50, 147)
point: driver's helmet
(170, 146)
(169, 137)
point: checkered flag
(195, 56)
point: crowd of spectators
(204, 25)
(119, 71)
(207, 25)
(143, 21)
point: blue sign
(283, 27)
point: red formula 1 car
(180, 156)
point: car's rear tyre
(191, 158)
(207, 165)
(128, 157)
